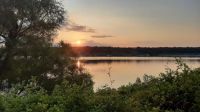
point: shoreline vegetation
(173, 91)
(88, 51)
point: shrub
(173, 91)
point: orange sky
(131, 23)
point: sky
(132, 23)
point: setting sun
(78, 42)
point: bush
(173, 91)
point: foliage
(173, 91)
(138, 51)
(27, 30)
(32, 98)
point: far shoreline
(137, 52)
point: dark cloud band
(101, 36)
(79, 28)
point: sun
(78, 42)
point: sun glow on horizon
(78, 42)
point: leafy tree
(138, 81)
(24, 23)
(27, 29)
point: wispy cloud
(79, 28)
(101, 36)
(72, 26)
(93, 43)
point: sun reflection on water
(78, 63)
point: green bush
(173, 91)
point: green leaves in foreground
(173, 91)
(32, 98)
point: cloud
(79, 28)
(72, 26)
(93, 43)
(101, 36)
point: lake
(117, 71)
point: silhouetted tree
(138, 81)
(27, 23)
(27, 28)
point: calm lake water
(124, 70)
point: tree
(27, 28)
(138, 81)
(24, 23)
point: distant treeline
(138, 51)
